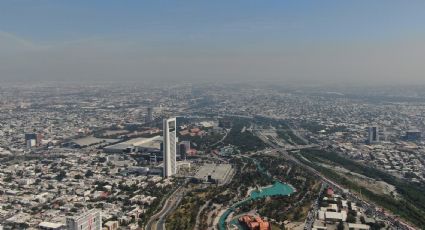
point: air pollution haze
(216, 41)
(220, 114)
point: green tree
(340, 226)
(61, 175)
(89, 173)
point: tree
(340, 226)
(78, 177)
(8, 179)
(89, 173)
(61, 175)
(351, 218)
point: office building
(90, 220)
(413, 135)
(182, 151)
(169, 147)
(149, 117)
(30, 140)
(184, 147)
(373, 134)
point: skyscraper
(169, 147)
(30, 140)
(90, 220)
(149, 117)
(373, 134)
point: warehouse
(152, 144)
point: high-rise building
(184, 147)
(149, 117)
(30, 140)
(413, 135)
(90, 220)
(169, 147)
(373, 134)
(182, 151)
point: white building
(358, 226)
(169, 147)
(90, 220)
(51, 226)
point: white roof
(50, 225)
(321, 215)
(336, 215)
(358, 226)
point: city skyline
(212, 115)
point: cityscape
(212, 115)
(210, 157)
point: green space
(411, 204)
(283, 130)
(271, 173)
(263, 171)
(246, 140)
(184, 217)
(289, 136)
(276, 189)
(268, 122)
(203, 143)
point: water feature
(276, 189)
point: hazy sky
(355, 41)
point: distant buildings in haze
(372, 134)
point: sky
(345, 42)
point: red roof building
(254, 223)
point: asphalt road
(370, 208)
(157, 221)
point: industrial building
(152, 144)
(88, 141)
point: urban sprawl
(211, 156)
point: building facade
(149, 116)
(373, 134)
(90, 220)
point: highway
(157, 221)
(370, 208)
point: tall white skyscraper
(90, 220)
(169, 147)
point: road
(198, 216)
(275, 142)
(370, 208)
(221, 140)
(157, 221)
